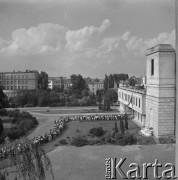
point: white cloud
(86, 37)
(42, 38)
(139, 45)
(88, 43)
(125, 36)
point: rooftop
(160, 48)
(141, 91)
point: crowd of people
(57, 130)
(97, 117)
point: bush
(63, 142)
(125, 139)
(22, 123)
(79, 141)
(98, 132)
(3, 112)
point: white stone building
(154, 106)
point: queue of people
(57, 130)
(39, 140)
(96, 117)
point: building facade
(16, 82)
(61, 82)
(155, 105)
(94, 86)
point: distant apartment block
(16, 82)
(94, 85)
(60, 82)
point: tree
(106, 83)
(106, 101)
(92, 99)
(99, 98)
(85, 93)
(119, 77)
(111, 81)
(43, 80)
(1, 127)
(3, 99)
(116, 130)
(78, 83)
(29, 160)
(126, 121)
(106, 94)
(113, 95)
(43, 98)
(122, 128)
(132, 82)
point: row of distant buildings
(17, 82)
(64, 83)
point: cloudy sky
(87, 37)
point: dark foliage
(79, 141)
(98, 132)
(122, 128)
(1, 127)
(3, 112)
(23, 122)
(116, 130)
(63, 142)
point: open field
(88, 162)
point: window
(11, 87)
(18, 87)
(7, 87)
(136, 101)
(11, 82)
(152, 67)
(139, 102)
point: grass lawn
(82, 128)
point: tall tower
(160, 97)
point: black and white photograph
(88, 89)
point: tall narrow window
(152, 67)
